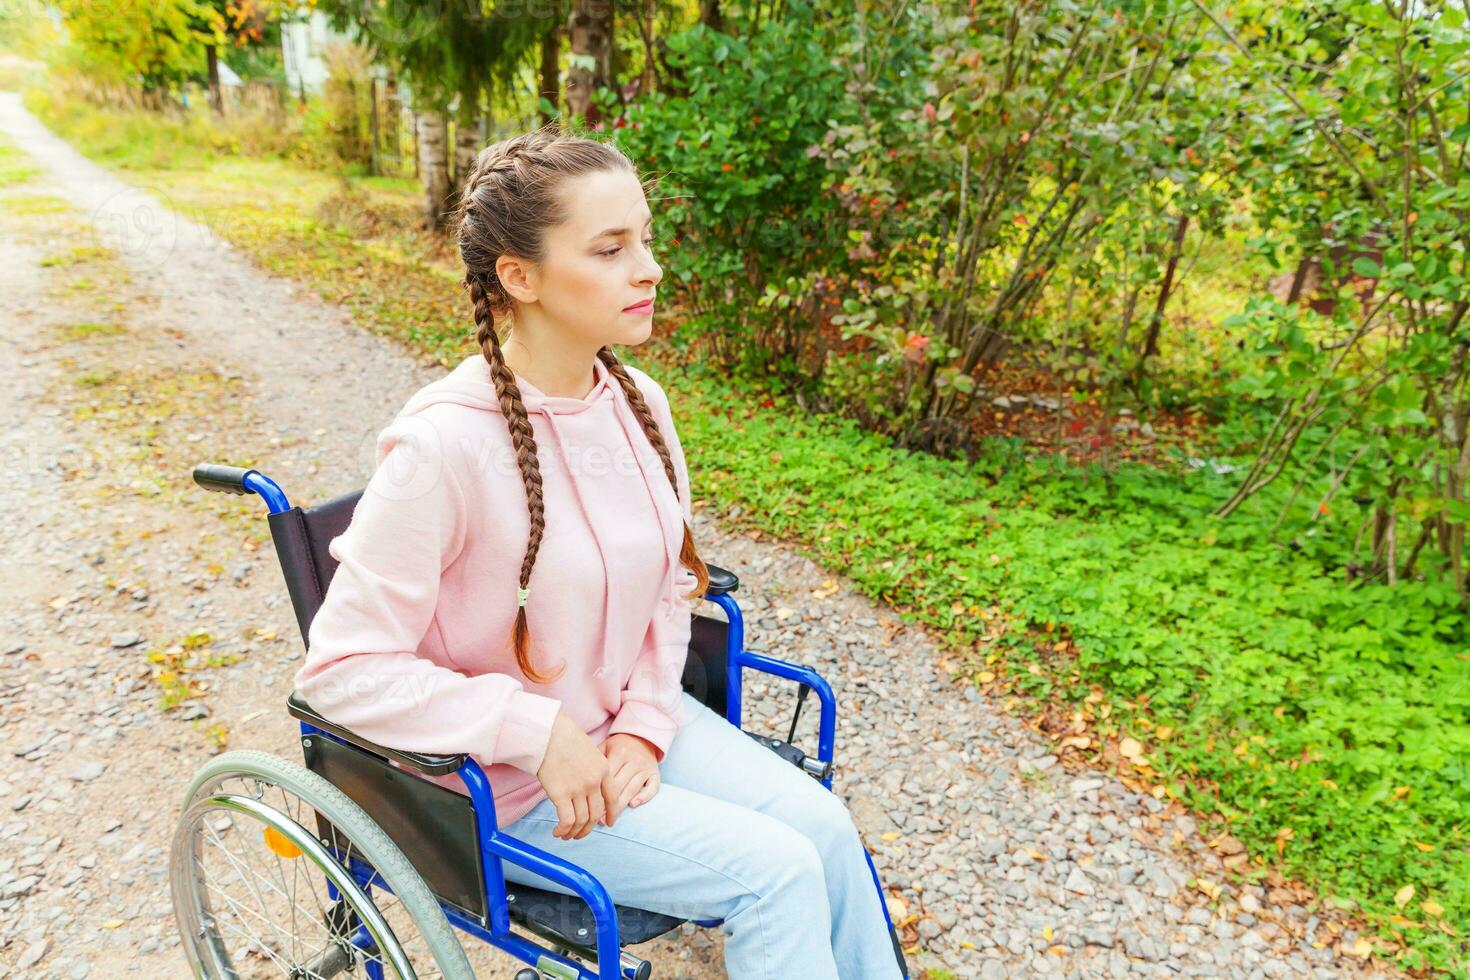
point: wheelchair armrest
(429, 765)
(721, 581)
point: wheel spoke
(248, 897)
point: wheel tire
(365, 836)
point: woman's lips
(639, 309)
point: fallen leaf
(1431, 907)
(1130, 749)
(1403, 896)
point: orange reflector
(280, 844)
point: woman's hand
(632, 773)
(573, 773)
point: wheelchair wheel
(275, 872)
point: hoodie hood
(470, 385)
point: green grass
(1323, 724)
(33, 204)
(15, 166)
(83, 331)
(78, 254)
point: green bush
(745, 220)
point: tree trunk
(1151, 341)
(709, 15)
(551, 72)
(591, 29)
(467, 141)
(216, 94)
(433, 137)
(648, 83)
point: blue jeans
(737, 833)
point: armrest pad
(429, 765)
(721, 581)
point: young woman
(516, 583)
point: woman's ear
(519, 277)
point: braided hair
(509, 198)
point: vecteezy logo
(414, 466)
(137, 227)
(398, 22)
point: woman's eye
(648, 243)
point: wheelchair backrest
(303, 534)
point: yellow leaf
(1130, 749)
(985, 676)
(1399, 792)
(1362, 948)
(1432, 907)
(891, 836)
(1329, 784)
(1047, 933)
(1164, 732)
(1403, 896)
(1423, 846)
(113, 923)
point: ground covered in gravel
(147, 628)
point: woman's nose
(650, 272)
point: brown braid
(508, 200)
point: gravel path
(138, 344)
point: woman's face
(599, 262)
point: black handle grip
(221, 478)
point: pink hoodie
(411, 647)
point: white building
(303, 37)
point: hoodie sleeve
(362, 670)
(653, 705)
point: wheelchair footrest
(812, 767)
(569, 919)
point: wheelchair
(354, 861)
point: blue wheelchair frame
(497, 846)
